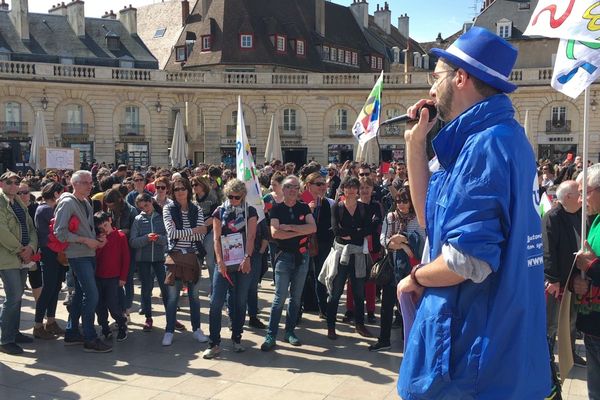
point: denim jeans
(237, 296)
(592, 351)
(10, 314)
(288, 277)
(209, 246)
(85, 299)
(146, 269)
(193, 290)
(255, 273)
(108, 301)
(52, 276)
(358, 285)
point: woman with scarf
(184, 223)
(234, 232)
(404, 238)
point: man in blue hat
(479, 329)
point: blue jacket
(145, 250)
(486, 340)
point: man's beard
(444, 103)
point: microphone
(406, 118)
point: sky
(427, 18)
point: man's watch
(413, 273)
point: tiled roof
(514, 10)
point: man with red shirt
(112, 267)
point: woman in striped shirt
(184, 223)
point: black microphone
(406, 118)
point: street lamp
(158, 105)
(264, 107)
(44, 100)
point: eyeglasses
(291, 187)
(13, 182)
(318, 183)
(160, 187)
(233, 197)
(433, 78)
(179, 189)
(365, 174)
(402, 201)
(22, 193)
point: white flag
(245, 168)
(367, 124)
(577, 66)
(566, 19)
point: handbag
(382, 272)
(183, 266)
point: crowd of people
(97, 229)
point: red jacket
(113, 260)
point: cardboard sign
(59, 158)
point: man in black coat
(562, 235)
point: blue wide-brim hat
(484, 55)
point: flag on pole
(545, 205)
(366, 125)
(245, 168)
(578, 56)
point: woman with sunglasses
(139, 187)
(184, 223)
(207, 200)
(401, 235)
(315, 185)
(234, 224)
(163, 186)
(53, 273)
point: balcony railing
(14, 128)
(230, 132)
(558, 126)
(392, 130)
(290, 132)
(131, 130)
(74, 129)
(338, 131)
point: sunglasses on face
(292, 187)
(15, 183)
(161, 187)
(402, 201)
(318, 183)
(22, 193)
(233, 197)
(179, 189)
(138, 180)
(365, 174)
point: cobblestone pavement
(140, 368)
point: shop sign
(132, 138)
(558, 139)
(291, 142)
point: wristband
(413, 273)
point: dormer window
(354, 58)
(113, 41)
(246, 41)
(504, 28)
(280, 43)
(180, 53)
(160, 32)
(325, 53)
(300, 47)
(206, 42)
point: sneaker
(254, 322)
(167, 339)
(292, 339)
(73, 340)
(200, 336)
(579, 361)
(380, 346)
(268, 344)
(55, 329)
(20, 338)
(96, 346)
(39, 332)
(179, 326)
(140, 311)
(238, 348)
(11, 348)
(122, 335)
(371, 318)
(211, 352)
(148, 325)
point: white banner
(577, 66)
(245, 168)
(566, 19)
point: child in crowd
(112, 267)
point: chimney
(205, 6)
(58, 9)
(320, 17)
(383, 18)
(185, 11)
(3, 6)
(128, 17)
(360, 10)
(76, 17)
(20, 18)
(109, 15)
(403, 24)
